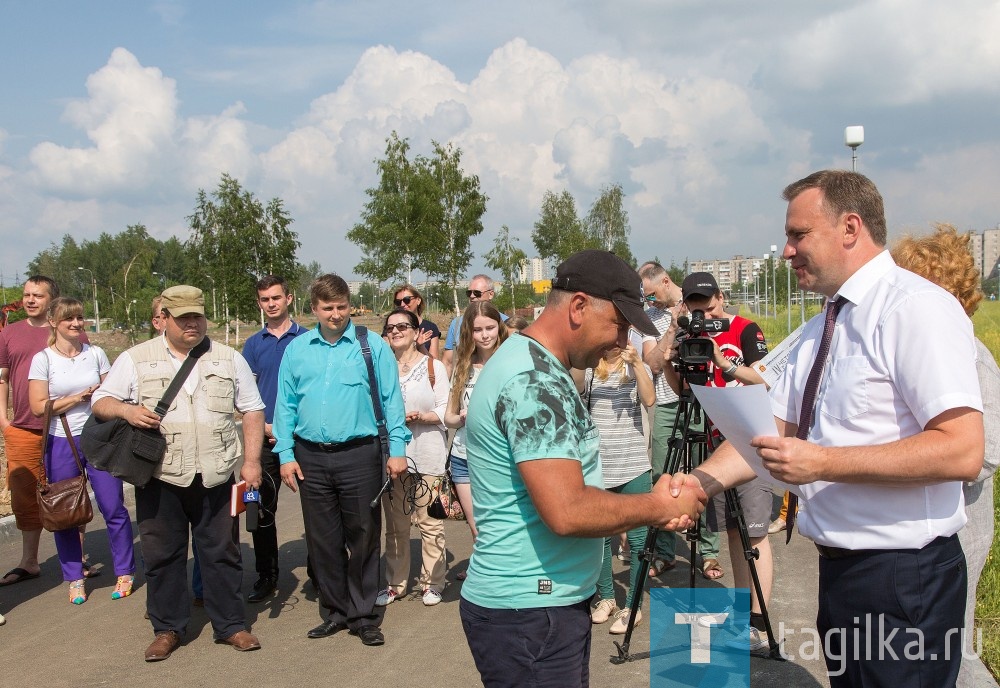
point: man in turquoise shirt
(537, 487)
(327, 441)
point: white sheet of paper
(773, 365)
(742, 413)
(635, 339)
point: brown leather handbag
(66, 503)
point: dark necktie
(809, 397)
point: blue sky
(118, 112)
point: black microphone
(252, 499)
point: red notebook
(236, 504)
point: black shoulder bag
(383, 432)
(128, 452)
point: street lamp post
(97, 308)
(767, 298)
(774, 277)
(163, 279)
(853, 137)
(788, 287)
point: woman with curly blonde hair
(944, 258)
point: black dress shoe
(325, 629)
(262, 589)
(371, 635)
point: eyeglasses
(476, 293)
(399, 327)
(405, 299)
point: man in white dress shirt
(897, 426)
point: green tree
(607, 223)
(400, 213)
(445, 252)
(506, 257)
(558, 233)
(236, 240)
(60, 262)
(677, 273)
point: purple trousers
(108, 491)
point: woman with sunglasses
(428, 336)
(424, 385)
(481, 334)
(68, 372)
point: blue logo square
(698, 637)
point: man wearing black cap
(537, 486)
(735, 351)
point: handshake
(681, 500)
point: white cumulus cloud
(129, 116)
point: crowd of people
(540, 431)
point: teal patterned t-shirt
(526, 407)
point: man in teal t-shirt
(537, 487)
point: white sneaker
(431, 597)
(386, 597)
(603, 611)
(777, 526)
(621, 621)
(710, 620)
(749, 639)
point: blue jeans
(546, 647)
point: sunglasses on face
(475, 293)
(398, 327)
(405, 299)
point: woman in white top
(424, 385)
(482, 332)
(67, 372)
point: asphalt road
(49, 642)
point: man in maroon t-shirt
(23, 435)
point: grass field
(987, 326)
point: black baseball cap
(699, 284)
(606, 276)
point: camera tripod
(688, 449)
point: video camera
(694, 352)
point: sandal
(660, 565)
(712, 566)
(123, 588)
(90, 571)
(77, 593)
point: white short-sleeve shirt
(67, 376)
(122, 382)
(902, 353)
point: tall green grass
(987, 327)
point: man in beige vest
(190, 489)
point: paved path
(49, 642)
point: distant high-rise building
(533, 270)
(737, 270)
(985, 248)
